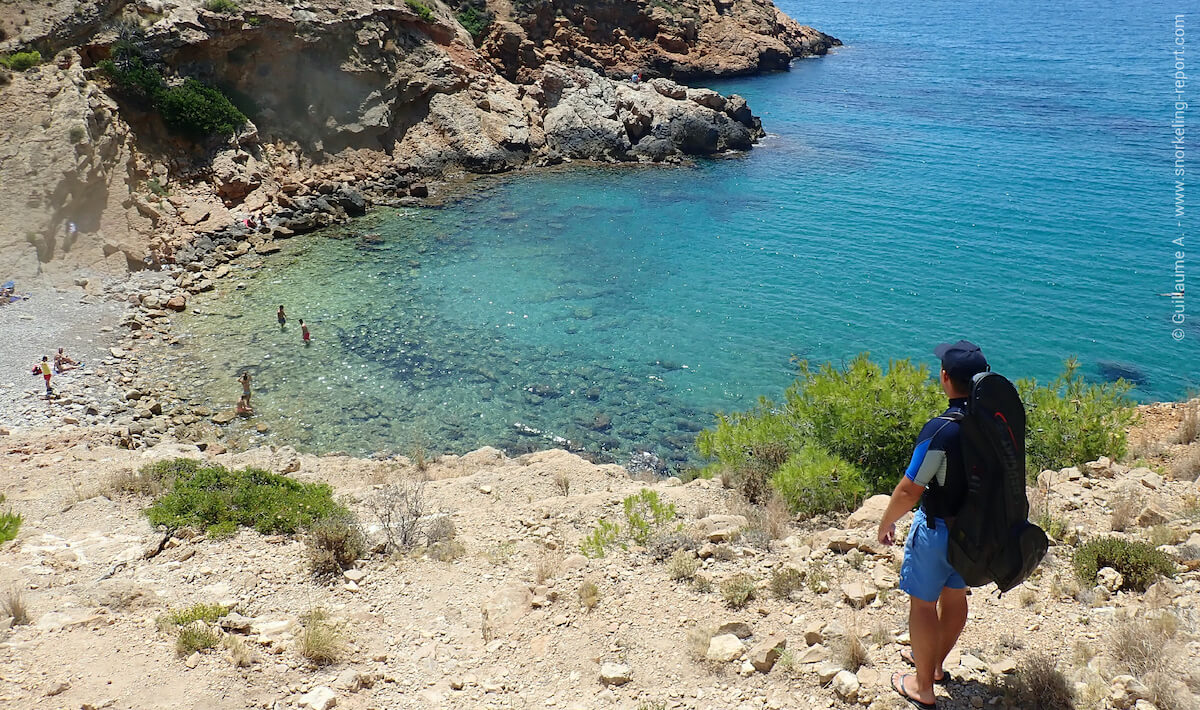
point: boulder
(858, 594)
(1152, 515)
(504, 609)
(720, 528)
(319, 698)
(1110, 579)
(738, 628)
(845, 684)
(615, 674)
(724, 648)
(764, 653)
(176, 303)
(869, 513)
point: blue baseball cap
(962, 360)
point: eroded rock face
(351, 103)
(676, 38)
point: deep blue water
(1000, 173)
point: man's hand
(886, 534)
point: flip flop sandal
(907, 657)
(899, 688)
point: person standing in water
(282, 318)
(304, 332)
(245, 380)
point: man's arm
(904, 497)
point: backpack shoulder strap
(930, 492)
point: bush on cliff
(1071, 422)
(868, 419)
(198, 110)
(192, 109)
(858, 413)
(420, 8)
(20, 61)
(475, 21)
(216, 499)
(227, 7)
(1139, 563)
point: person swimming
(282, 317)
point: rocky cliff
(348, 104)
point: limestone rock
(827, 670)
(720, 528)
(869, 513)
(724, 648)
(845, 684)
(1152, 515)
(1110, 579)
(319, 698)
(738, 628)
(615, 674)
(858, 594)
(764, 653)
(504, 609)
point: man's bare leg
(952, 617)
(925, 634)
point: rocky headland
(350, 104)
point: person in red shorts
(304, 332)
(46, 373)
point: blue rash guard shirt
(937, 464)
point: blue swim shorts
(925, 569)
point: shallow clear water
(1001, 174)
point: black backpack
(992, 539)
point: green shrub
(475, 21)
(813, 481)
(193, 638)
(420, 8)
(334, 545)
(645, 513)
(1139, 563)
(738, 590)
(20, 61)
(785, 581)
(225, 6)
(683, 565)
(132, 72)
(211, 495)
(1071, 422)
(10, 524)
(155, 186)
(601, 537)
(254, 20)
(197, 612)
(198, 110)
(868, 417)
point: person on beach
(282, 317)
(46, 373)
(243, 408)
(245, 380)
(304, 332)
(63, 362)
(937, 593)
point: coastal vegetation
(1138, 563)
(10, 523)
(420, 8)
(192, 108)
(20, 61)
(218, 500)
(227, 7)
(475, 21)
(841, 433)
(645, 514)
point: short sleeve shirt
(937, 463)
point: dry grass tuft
(320, 641)
(1142, 645)
(683, 566)
(563, 483)
(1189, 424)
(196, 636)
(13, 605)
(1126, 505)
(240, 654)
(334, 545)
(850, 651)
(1187, 466)
(589, 595)
(1039, 685)
(548, 566)
(738, 590)
(786, 581)
(1168, 692)
(881, 634)
(698, 638)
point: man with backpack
(936, 477)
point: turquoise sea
(998, 173)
